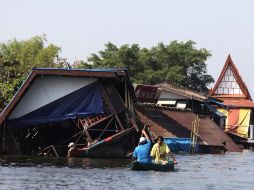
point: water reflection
(25, 161)
(226, 171)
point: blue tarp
(220, 104)
(83, 102)
(214, 110)
(179, 144)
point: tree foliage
(17, 58)
(177, 63)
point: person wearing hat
(160, 151)
(142, 151)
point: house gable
(230, 83)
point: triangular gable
(230, 83)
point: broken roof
(175, 123)
(40, 72)
(151, 93)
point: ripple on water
(227, 171)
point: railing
(249, 136)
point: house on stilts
(237, 104)
(93, 108)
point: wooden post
(57, 155)
(125, 93)
(88, 139)
(251, 132)
(4, 136)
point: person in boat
(161, 151)
(142, 151)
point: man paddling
(160, 151)
(142, 151)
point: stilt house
(238, 105)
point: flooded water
(226, 171)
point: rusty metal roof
(239, 103)
(175, 123)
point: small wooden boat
(138, 166)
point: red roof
(239, 103)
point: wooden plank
(111, 107)
(99, 121)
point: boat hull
(137, 166)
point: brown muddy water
(225, 171)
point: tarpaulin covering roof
(114, 74)
(83, 102)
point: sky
(83, 27)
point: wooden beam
(111, 107)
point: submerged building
(95, 113)
(179, 114)
(93, 108)
(237, 106)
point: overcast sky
(82, 27)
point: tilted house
(93, 108)
(170, 111)
(233, 92)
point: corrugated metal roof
(239, 103)
(175, 123)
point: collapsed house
(181, 114)
(236, 104)
(93, 108)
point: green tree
(178, 63)
(17, 58)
